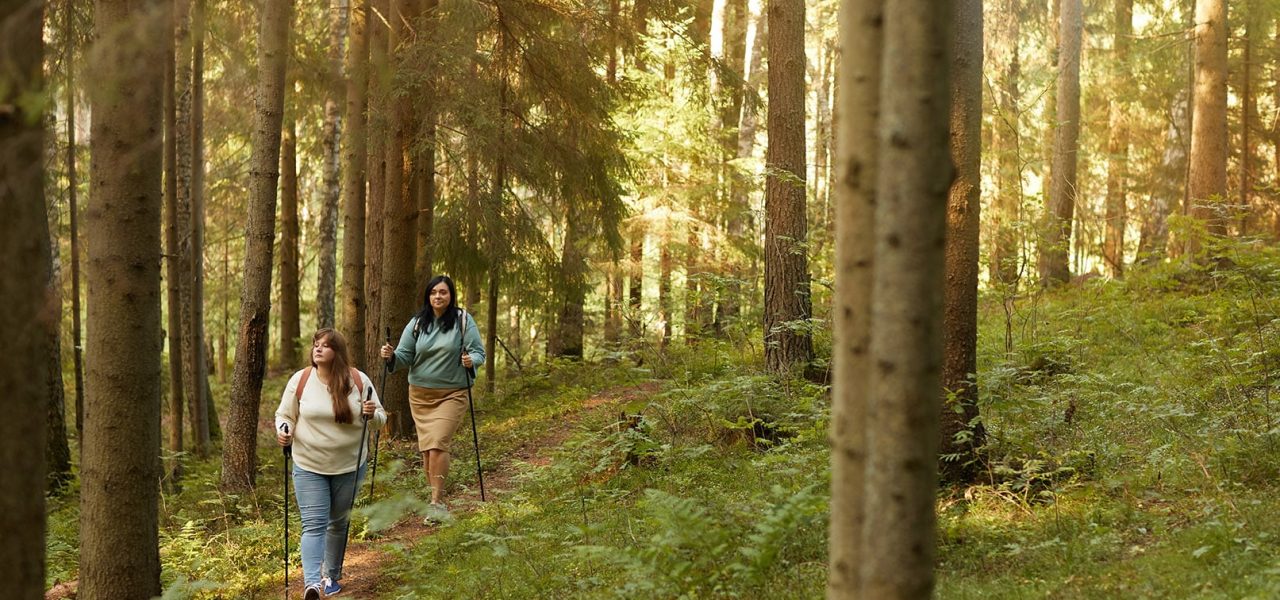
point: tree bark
(1248, 116)
(73, 189)
(635, 276)
(906, 339)
(857, 101)
(786, 289)
(664, 285)
(1055, 252)
(355, 158)
(205, 417)
(400, 213)
(1118, 143)
(1207, 182)
(119, 535)
(567, 340)
(30, 311)
(331, 133)
(239, 451)
(57, 452)
(740, 181)
(379, 84)
(1007, 147)
(290, 232)
(173, 269)
(962, 434)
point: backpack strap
(297, 392)
(355, 376)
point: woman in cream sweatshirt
(320, 415)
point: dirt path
(363, 578)
(364, 558)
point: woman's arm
(287, 411)
(406, 348)
(471, 339)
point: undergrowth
(1133, 451)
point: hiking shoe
(331, 587)
(437, 514)
(312, 592)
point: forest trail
(363, 567)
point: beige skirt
(436, 415)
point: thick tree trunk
(30, 312)
(331, 133)
(173, 269)
(786, 277)
(290, 232)
(962, 434)
(355, 158)
(379, 85)
(1118, 144)
(857, 163)
(239, 450)
(906, 311)
(119, 535)
(1207, 182)
(1055, 251)
(425, 163)
(400, 213)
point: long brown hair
(339, 372)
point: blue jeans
(324, 502)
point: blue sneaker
(331, 587)
(312, 592)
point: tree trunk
(173, 269)
(204, 417)
(25, 294)
(119, 535)
(740, 181)
(400, 212)
(664, 285)
(57, 452)
(1207, 183)
(962, 434)
(355, 158)
(1055, 252)
(290, 232)
(906, 311)
(857, 101)
(567, 340)
(425, 162)
(635, 319)
(1154, 238)
(1118, 144)
(239, 450)
(379, 84)
(1007, 147)
(491, 332)
(786, 264)
(1248, 116)
(331, 134)
(73, 189)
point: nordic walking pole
(364, 429)
(288, 454)
(377, 434)
(475, 435)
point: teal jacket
(434, 358)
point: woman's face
(439, 297)
(321, 352)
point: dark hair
(427, 316)
(340, 373)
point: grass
(1134, 452)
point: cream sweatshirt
(320, 444)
